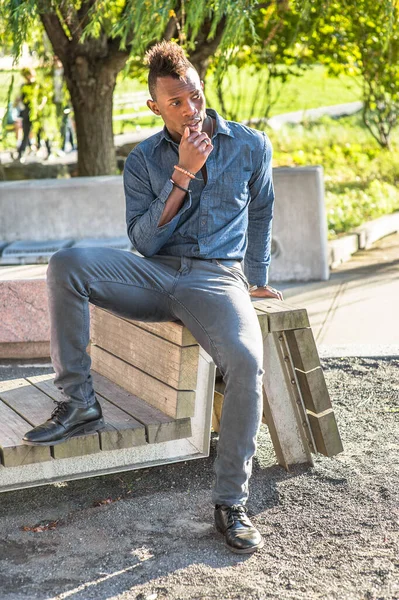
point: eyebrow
(178, 97)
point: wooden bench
(156, 386)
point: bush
(361, 179)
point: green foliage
(361, 179)
(362, 38)
(271, 57)
(314, 88)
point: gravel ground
(331, 531)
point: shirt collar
(222, 126)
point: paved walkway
(355, 313)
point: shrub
(361, 179)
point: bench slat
(12, 451)
(314, 390)
(281, 315)
(175, 366)
(303, 349)
(173, 331)
(325, 433)
(35, 406)
(175, 403)
(159, 427)
(121, 430)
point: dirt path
(332, 532)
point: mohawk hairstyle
(165, 59)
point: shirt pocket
(234, 185)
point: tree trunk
(91, 87)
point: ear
(153, 106)
(202, 85)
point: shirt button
(203, 222)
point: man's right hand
(194, 149)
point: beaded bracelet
(179, 186)
(188, 173)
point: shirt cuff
(257, 275)
(163, 196)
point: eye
(175, 103)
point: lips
(193, 124)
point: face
(180, 103)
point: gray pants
(210, 297)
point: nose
(189, 108)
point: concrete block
(299, 249)
(94, 207)
(75, 208)
(375, 230)
(341, 249)
(28, 251)
(24, 324)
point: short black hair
(166, 59)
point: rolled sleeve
(144, 209)
(260, 215)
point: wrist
(181, 179)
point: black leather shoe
(240, 535)
(66, 421)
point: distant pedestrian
(25, 102)
(62, 106)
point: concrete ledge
(24, 325)
(24, 350)
(75, 208)
(375, 230)
(362, 238)
(95, 207)
(341, 249)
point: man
(199, 197)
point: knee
(244, 362)
(64, 263)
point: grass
(311, 90)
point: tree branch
(71, 18)
(84, 12)
(56, 34)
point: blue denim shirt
(228, 218)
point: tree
(94, 39)
(362, 38)
(270, 61)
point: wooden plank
(325, 433)
(281, 409)
(217, 410)
(13, 452)
(263, 321)
(159, 426)
(173, 331)
(175, 403)
(314, 390)
(174, 365)
(281, 315)
(121, 430)
(78, 445)
(303, 349)
(36, 407)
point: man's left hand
(266, 292)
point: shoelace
(237, 512)
(60, 408)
